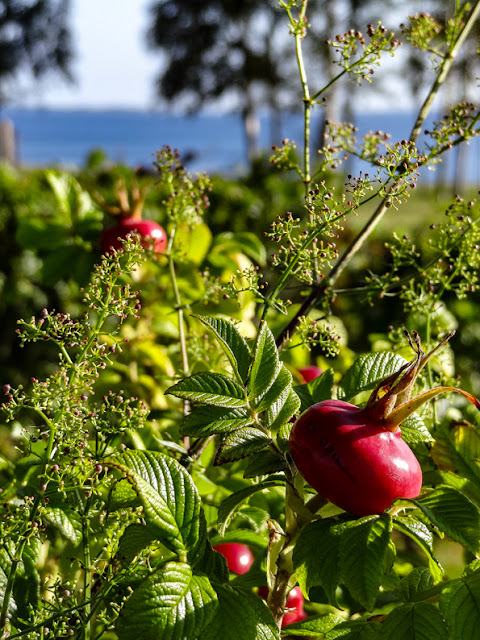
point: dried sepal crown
(391, 401)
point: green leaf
(245, 536)
(230, 505)
(362, 557)
(33, 233)
(26, 587)
(210, 388)
(66, 521)
(265, 366)
(278, 392)
(414, 430)
(415, 621)
(264, 463)
(318, 564)
(460, 605)
(367, 371)
(246, 242)
(321, 387)
(122, 496)
(135, 538)
(240, 444)
(232, 340)
(454, 514)
(289, 408)
(355, 630)
(241, 615)
(214, 565)
(421, 534)
(313, 626)
(418, 580)
(173, 603)
(204, 421)
(169, 497)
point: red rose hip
(310, 372)
(152, 234)
(351, 459)
(238, 556)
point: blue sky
(112, 65)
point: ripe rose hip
(293, 606)
(238, 556)
(353, 460)
(152, 233)
(310, 372)
(355, 457)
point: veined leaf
(421, 534)
(355, 630)
(460, 604)
(414, 430)
(418, 580)
(367, 371)
(241, 615)
(454, 514)
(318, 564)
(170, 499)
(241, 443)
(415, 621)
(229, 505)
(265, 366)
(264, 463)
(135, 538)
(279, 391)
(321, 387)
(232, 340)
(362, 557)
(172, 603)
(210, 388)
(204, 421)
(313, 626)
(277, 416)
(66, 521)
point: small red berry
(238, 556)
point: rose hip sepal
(355, 457)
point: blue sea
(211, 143)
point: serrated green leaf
(367, 371)
(169, 497)
(204, 421)
(414, 430)
(135, 538)
(278, 392)
(229, 505)
(421, 534)
(66, 521)
(264, 463)
(318, 564)
(240, 444)
(418, 580)
(172, 603)
(234, 343)
(265, 366)
(362, 557)
(289, 408)
(210, 388)
(245, 536)
(313, 626)
(123, 496)
(214, 565)
(241, 615)
(355, 630)
(321, 387)
(454, 514)
(415, 621)
(460, 605)
(26, 587)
